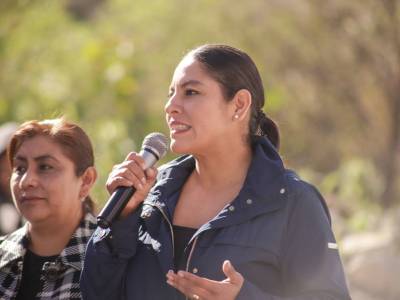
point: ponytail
(261, 125)
(270, 129)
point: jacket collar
(264, 188)
(13, 246)
(74, 253)
(170, 180)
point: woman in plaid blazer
(52, 173)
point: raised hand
(200, 288)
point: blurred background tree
(331, 72)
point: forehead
(39, 146)
(190, 69)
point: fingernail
(180, 274)
(143, 180)
(140, 186)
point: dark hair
(74, 143)
(235, 70)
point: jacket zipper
(191, 253)
(190, 256)
(173, 241)
(170, 228)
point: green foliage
(322, 65)
(356, 185)
(352, 192)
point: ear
(242, 103)
(88, 179)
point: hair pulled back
(74, 142)
(234, 70)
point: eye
(190, 92)
(45, 167)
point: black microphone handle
(115, 205)
(121, 195)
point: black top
(182, 236)
(32, 269)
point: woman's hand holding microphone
(131, 173)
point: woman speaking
(225, 220)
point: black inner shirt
(182, 236)
(32, 269)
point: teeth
(180, 127)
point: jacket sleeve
(310, 261)
(107, 256)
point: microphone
(154, 147)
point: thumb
(232, 275)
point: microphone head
(157, 142)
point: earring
(236, 117)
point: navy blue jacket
(276, 233)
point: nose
(28, 179)
(173, 105)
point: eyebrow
(37, 158)
(189, 82)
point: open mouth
(177, 128)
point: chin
(179, 147)
(34, 215)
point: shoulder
(83, 232)
(90, 220)
(16, 236)
(74, 252)
(12, 245)
(86, 227)
(304, 197)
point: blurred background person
(52, 173)
(10, 219)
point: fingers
(128, 173)
(196, 287)
(135, 157)
(191, 285)
(151, 173)
(232, 275)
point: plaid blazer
(59, 279)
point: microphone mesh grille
(157, 141)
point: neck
(50, 238)
(223, 167)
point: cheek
(68, 189)
(58, 188)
